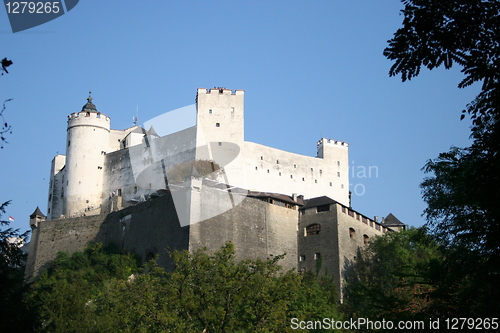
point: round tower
(86, 146)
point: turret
(36, 217)
(86, 146)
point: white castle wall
(273, 170)
(56, 187)
(100, 162)
(87, 143)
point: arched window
(366, 239)
(313, 229)
(352, 233)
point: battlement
(330, 142)
(220, 91)
(90, 118)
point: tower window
(210, 111)
(220, 143)
(338, 174)
(352, 233)
(217, 124)
(323, 208)
(313, 229)
(331, 184)
(69, 143)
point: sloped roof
(318, 201)
(392, 220)
(37, 212)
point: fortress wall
(325, 243)
(267, 230)
(273, 170)
(66, 235)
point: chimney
(375, 218)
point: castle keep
(147, 189)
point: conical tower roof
(36, 213)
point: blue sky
(310, 69)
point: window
(343, 209)
(119, 192)
(338, 163)
(295, 166)
(303, 179)
(256, 168)
(261, 158)
(316, 181)
(366, 239)
(277, 162)
(210, 111)
(267, 170)
(217, 124)
(352, 233)
(313, 229)
(291, 176)
(331, 184)
(280, 173)
(323, 208)
(302, 258)
(220, 143)
(69, 143)
(320, 171)
(317, 256)
(338, 174)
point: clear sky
(310, 69)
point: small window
(343, 209)
(261, 158)
(291, 176)
(49, 210)
(313, 229)
(323, 208)
(210, 111)
(295, 166)
(352, 233)
(331, 184)
(220, 144)
(277, 162)
(303, 179)
(267, 170)
(256, 168)
(366, 239)
(98, 115)
(312, 169)
(280, 173)
(320, 171)
(338, 163)
(119, 192)
(217, 124)
(317, 256)
(69, 143)
(338, 174)
(341, 185)
(302, 258)
(316, 181)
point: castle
(199, 185)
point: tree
(462, 195)
(205, 293)
(59, 298)
(465, 32)
(392, 278)
(12, 262)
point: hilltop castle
(199, 184)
